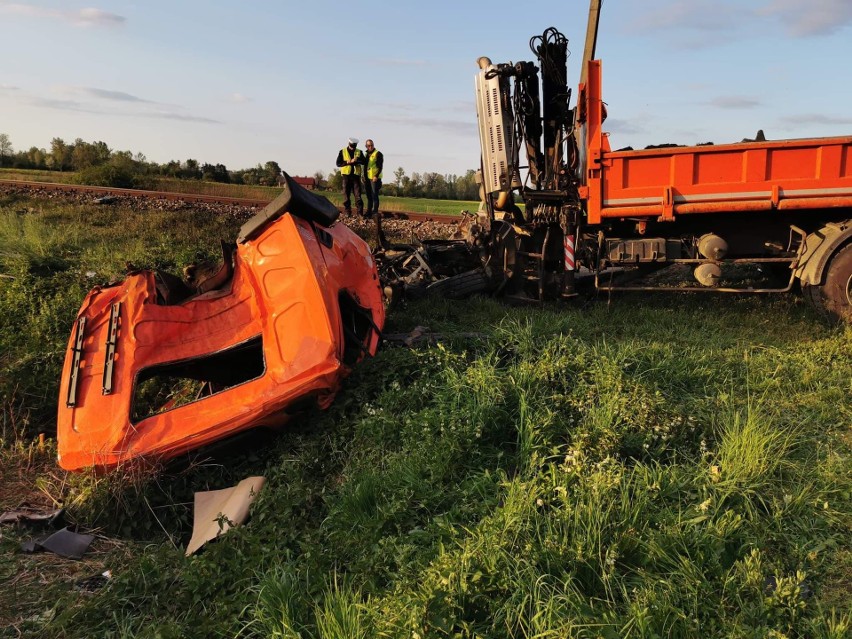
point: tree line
(95, 163)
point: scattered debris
(217, 511)
(64, 543)
(25, 514)
(422, 334)
(407, 338)
(449, 268)
(106, 199)
(94, 582)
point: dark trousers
(372, 189)
(352, 184)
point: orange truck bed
(743, 177)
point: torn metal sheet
(217, 511)
(64, 543)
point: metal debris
(25, 514)
(64, 543)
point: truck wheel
(833, 299)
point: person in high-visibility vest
(351, 162)
(375, 162)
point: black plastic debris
(94, 582)
(64, 543)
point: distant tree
(319, 176)
(335, 180)
(60, 155)
(434, 185)
(83, 155)
(215, 173)
(171, 169)
(399, 176)
(271, 172)
(36, 158)
(251, 176)
(5, 148)
(466, 186)
(102, 152)
(413, 186)
(191, 171)
(122, 170)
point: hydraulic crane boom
(580, 130)
(591, 37)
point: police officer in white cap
(351, 163)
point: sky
(242, 83)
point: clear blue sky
(246, 82)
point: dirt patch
(32, 583)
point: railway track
(194, 197)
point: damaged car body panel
(156, 369)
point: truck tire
(833, 298)
(460, 286)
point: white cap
(353, 140)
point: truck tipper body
(783, 176)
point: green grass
(670, 466)
(37, 175)
(415, 204)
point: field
(643, 466)
(266, 193)
(35, 175)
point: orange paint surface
(737, 178)
(285, 290)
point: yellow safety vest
(347, 169)
(372, 167)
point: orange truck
(751, 217)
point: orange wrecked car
(156, 368)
